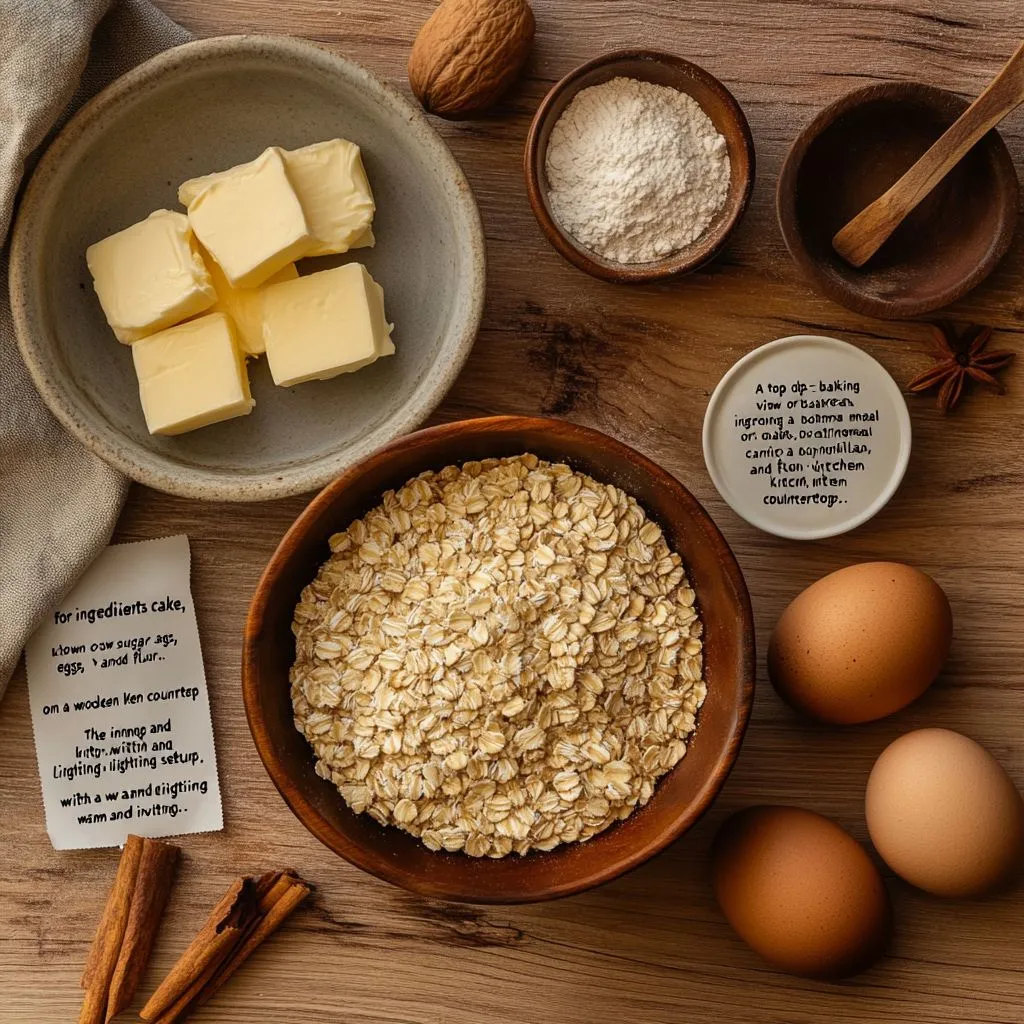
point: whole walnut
(468, 54)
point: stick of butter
(245, 306)
(192, 375)
(318, 326)
(333, 190)
(149, 276)
(250, 221)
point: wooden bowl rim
(392, 870)
(1006, 193)
(682, 262)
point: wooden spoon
(863, 236)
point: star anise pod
(960, 356)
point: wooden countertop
(638, 363)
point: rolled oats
(500, 657)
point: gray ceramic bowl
(206, 106)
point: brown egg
(800, 891)
(861, 643)
(944, 815)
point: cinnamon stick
(152, 887)
(218, 949)
(127, 929)
(106, 946)
(212, 943)
(282, 900)
(238, 925)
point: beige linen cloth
(58, 502)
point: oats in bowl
(500, 657)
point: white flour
(636, 171)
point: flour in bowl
(636, 171)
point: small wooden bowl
(681, 796)
(849, 155)
(661, 69)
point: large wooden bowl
(681, 796)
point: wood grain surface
(638, 363)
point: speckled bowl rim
(86, 423)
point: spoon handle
(863, 236)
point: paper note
(119, 704)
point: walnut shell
(468, 54)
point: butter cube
(150, 276)
(191, 376)
(245, 306)
(324, 324)
(331, 184)
(330, 181)
(250, 221)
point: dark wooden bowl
(849, 155)
(661, 69)
(680, 797)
